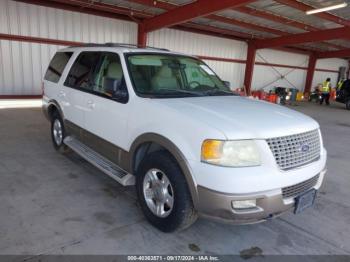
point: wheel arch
(52, 107)
(151, 142)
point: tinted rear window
(57, 65)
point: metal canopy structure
(279, 24)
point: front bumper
(218, 206)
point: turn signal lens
(211, 149)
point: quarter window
(56, 66)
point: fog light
(244, 204)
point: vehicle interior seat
(164, 79)
(114, 71)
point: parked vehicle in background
(343, 95)
(165, 122)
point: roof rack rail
(120, 45)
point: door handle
(91, 104)
(61, 94)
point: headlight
(238, 153)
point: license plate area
(305, 201)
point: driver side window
(109, 70)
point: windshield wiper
(213, 92)
(177, 91)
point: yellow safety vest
(325, 87)
(340, 84)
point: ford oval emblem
(304, 148)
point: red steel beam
(316, 36)
(38, 40)
(168, 6)
(243, 24)
(104, 7)
(249, 68)
(310, 73)
(332, 54)
(282, 20)
(190, 11)
(76, 8)
(141, 36)
(304, 7)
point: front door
(106, 118)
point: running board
(100, 162)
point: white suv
(166, 122)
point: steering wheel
(197, 84)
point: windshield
(163, 75)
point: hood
(240, 117)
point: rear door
(77, 85)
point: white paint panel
(266, 78)
(280, 57)
(197, 44)
(24, 64)
(331, 63)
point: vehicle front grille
(295, 150)
(295, 190)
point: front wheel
(163, 193)
(347, 104)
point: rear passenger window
(80, 73)
(56, 66)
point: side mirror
(116, 90)
(227, 84)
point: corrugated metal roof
(268, 6)
(292, 13)
(259, 21)
(343, 12)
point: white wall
(22, 65)
(267, 77)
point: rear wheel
(163, 193)
(58, 133)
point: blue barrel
(293, 96)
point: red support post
(249, 68)
(310, 74)
(141, 36)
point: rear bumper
(218, 206)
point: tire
(347, 104)
(152, 190)
(58, 133)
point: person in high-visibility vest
(325, 91)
